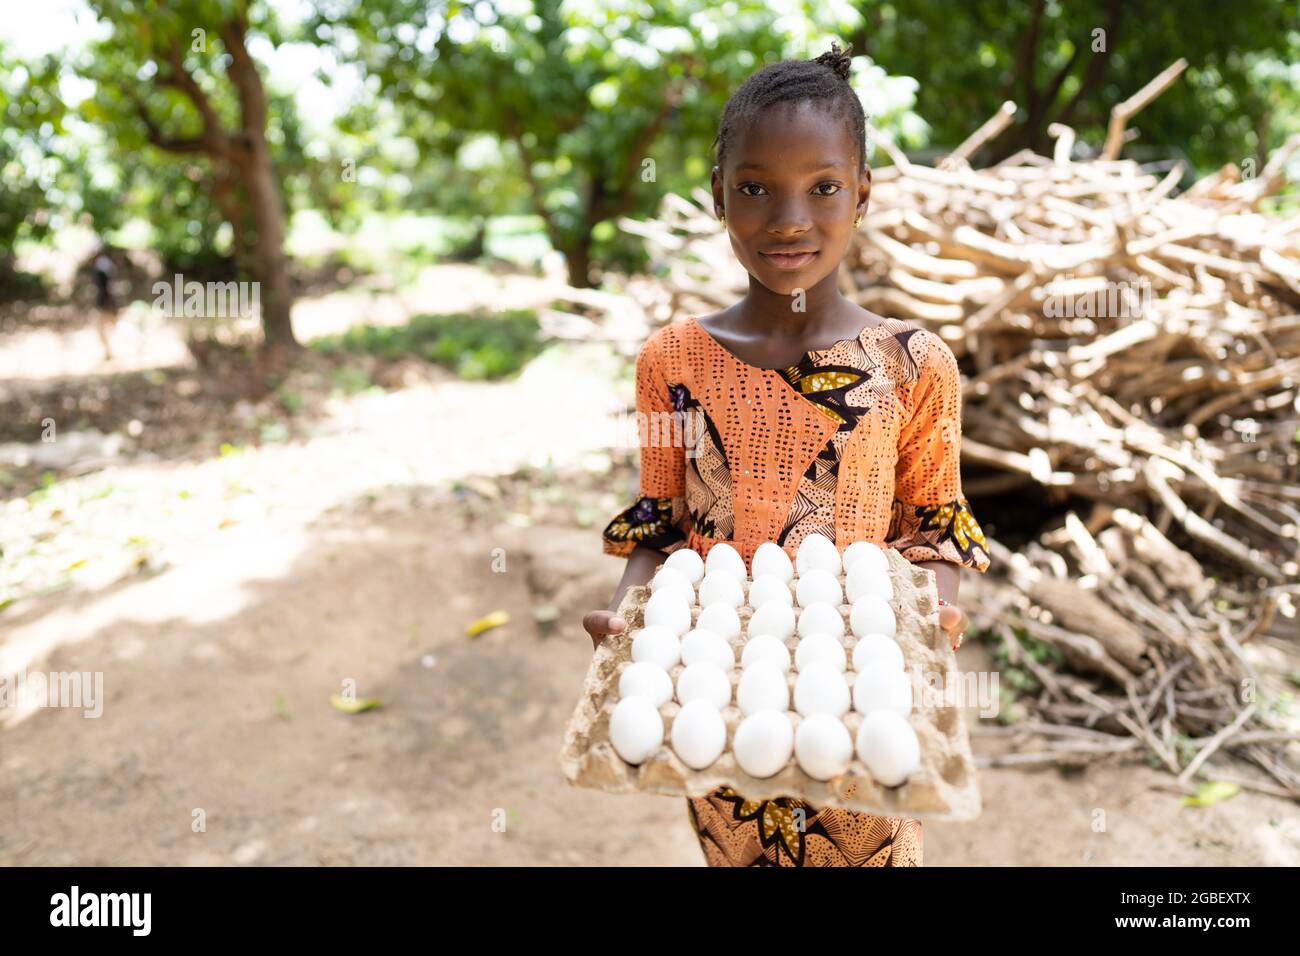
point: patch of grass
(349, 379)
(474, 346)
(291, 402)
(48, 480)
(99, 493)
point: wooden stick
(994, 125)
(1124, 111)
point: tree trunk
(578, 258)
(253, 157)
(239, 157)
(268, 247)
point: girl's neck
(822, 313)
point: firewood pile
(1134, 351)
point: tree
(160, 79)
(604, 104)
(30, 118)
(1072, 62)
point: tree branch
(155, 135)
(243, 74)
(603, 208)
(214, 136)
(511, 123)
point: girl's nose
(790, 218)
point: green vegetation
(474, 346)
(558, 118)
(1017, 680)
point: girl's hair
(824, 80)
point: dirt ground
(359, 552)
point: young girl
(817, 416)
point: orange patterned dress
(860, 441)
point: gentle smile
(789, 260)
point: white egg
(820, 647)
(668, 609)
(821, 689)
(721, 619)
(818, 586)
(635, 729)
(762, 687)
(865, 552)
(819, 618)
(704, 680)
(883, 689)
(775, 618)
(687, 561)
(719, 587)
(768, 587)
(874, 651)
(671, 578)
(701, 644)
(699, 734)
(657, 645)
(888, 745)
(765, 647)
(817, 551)
(873, 615)
(644, 679)
(723, 557)
(764, 743)
(822, 746)
(770, 558)
(864, 579)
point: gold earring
(857, 222)
(722, 219)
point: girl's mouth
(789, 263)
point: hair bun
(839, 60)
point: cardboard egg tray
(943, 787)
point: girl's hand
(954, 622)
(601, 624)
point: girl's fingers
(600, 624)
(953, 619)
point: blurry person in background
(105, 305)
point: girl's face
(790, 187)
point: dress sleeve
(931, 519)
(657, 518)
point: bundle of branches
(1123, 346)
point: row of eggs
(816, 552)
(765, 741)
(722, 577)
